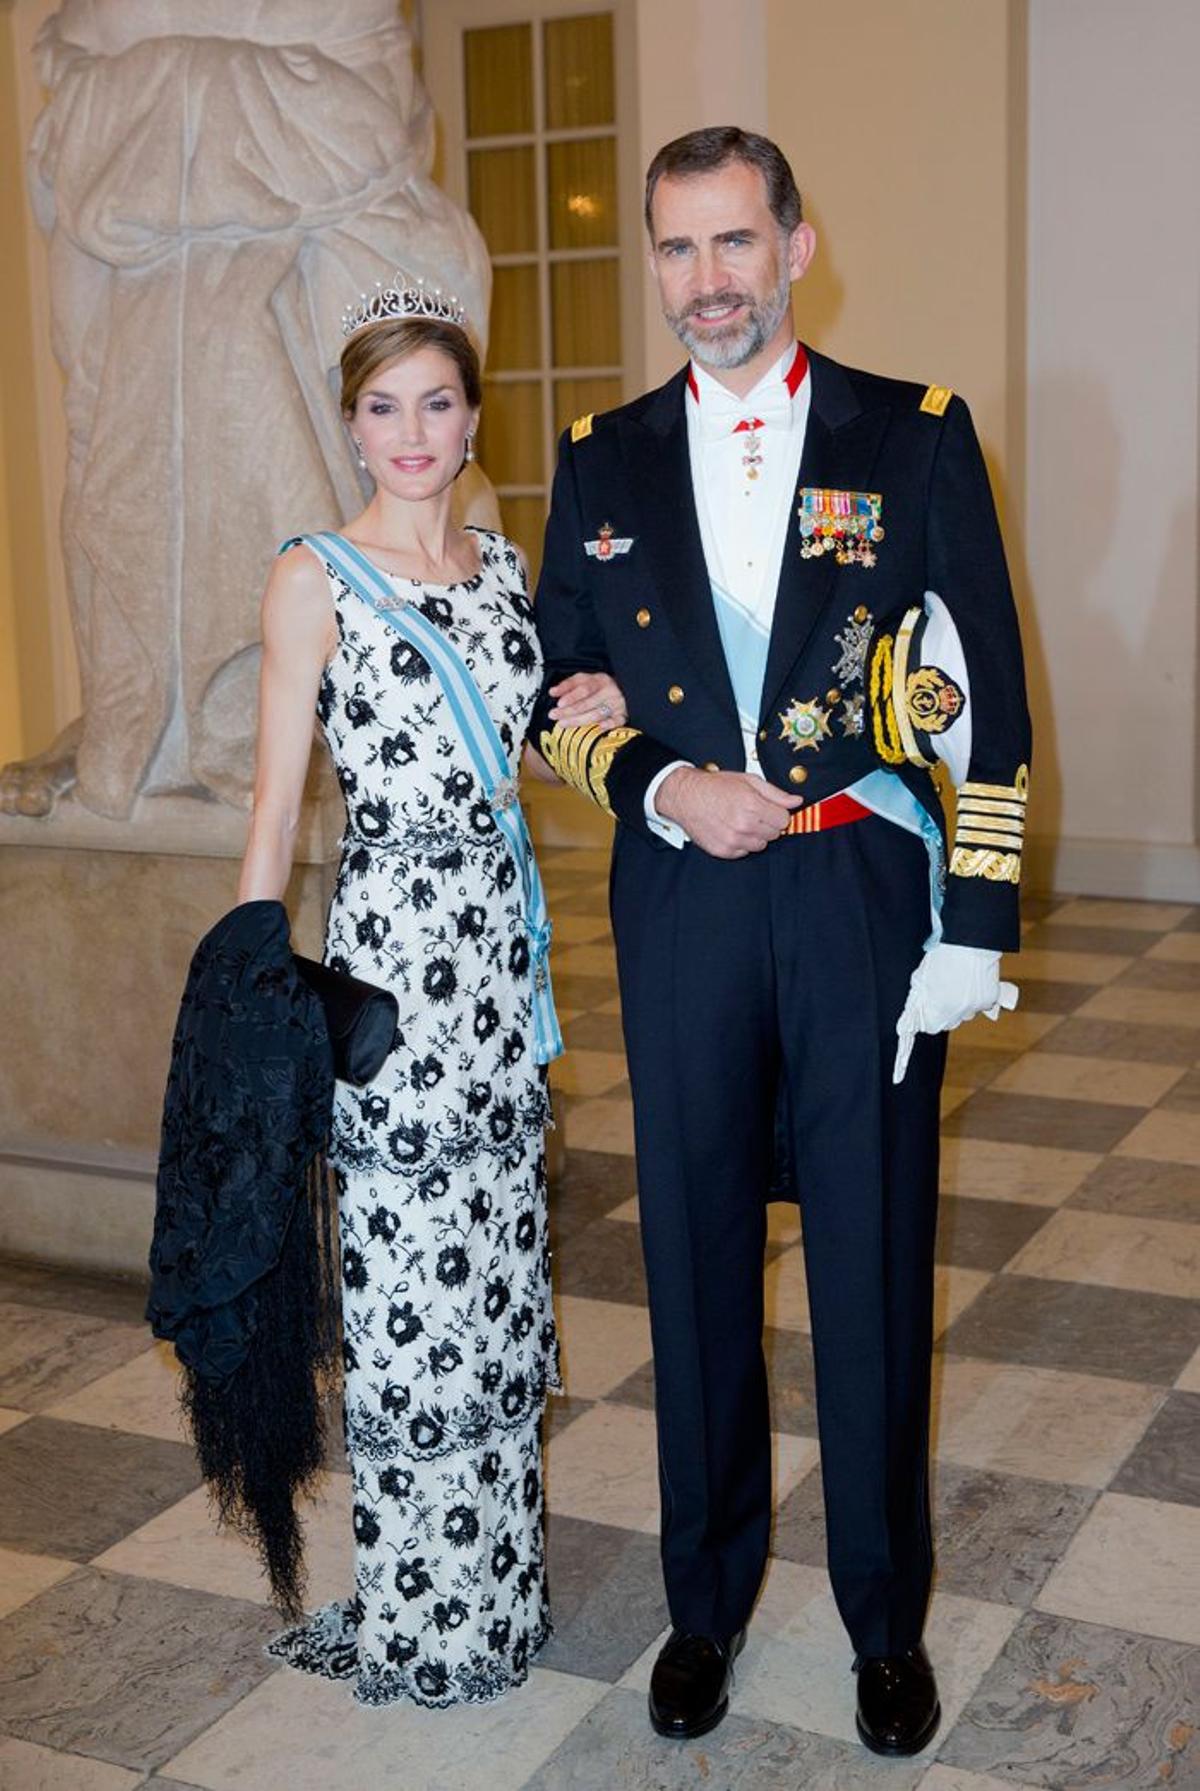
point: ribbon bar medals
(845, 523)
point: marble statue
(217, 179)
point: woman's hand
(587, 697)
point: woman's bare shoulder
(298, 593)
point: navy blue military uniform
(760, 995)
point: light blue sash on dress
(482, 740)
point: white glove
(952, 983)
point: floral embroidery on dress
(448, 1328)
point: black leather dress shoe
(689, 1688)
(898, 1709)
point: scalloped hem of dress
(403, 1692)
(389, 1448)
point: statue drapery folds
(217, 181)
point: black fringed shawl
(243, 1262)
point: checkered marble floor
(1067, 1608)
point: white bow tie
(722, 411)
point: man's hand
(726, 813)
(951, 984)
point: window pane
(498, 65)
(579, 71)
(524, 520)
(503, 199)
(575, 397)
(515, 339)
(586, 309)
(510, 435)
(582, 191)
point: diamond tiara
(404, 299)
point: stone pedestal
(98, 921)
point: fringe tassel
(260, 1434)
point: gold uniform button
(832, 697)
(675, 694)
(643, 618)
(712, 765)
(861, 613)
(798, 775)
(762, 733)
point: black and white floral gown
(449, 1331)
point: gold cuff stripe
(989, 805)
(1017, 791)
(996, 867)
(982, 817)
(605, 751)
(978, 836)
(993, 792)
(583, 756)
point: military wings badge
(607, 545)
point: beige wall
(1113, 373)
(1002, 195)
(699, 62)
(906, 165)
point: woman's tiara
(405, 298)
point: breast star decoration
(804, 724)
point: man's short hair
(703, 152)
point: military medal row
(846, 523)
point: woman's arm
(299, 633)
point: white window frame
(444, 23)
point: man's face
(723, 266)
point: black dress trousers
(785, 972)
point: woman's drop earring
(469, 448)
(362, 459)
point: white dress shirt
(743, 500)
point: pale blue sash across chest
(481, 737)
(746, 640)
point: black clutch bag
(360, 1019)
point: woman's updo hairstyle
(379, 345)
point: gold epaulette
(936, 399)
(990, 830)
(583, 756)
(582, 427)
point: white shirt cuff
(668, 831)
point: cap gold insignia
(933, 699)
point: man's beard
(735, 343)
